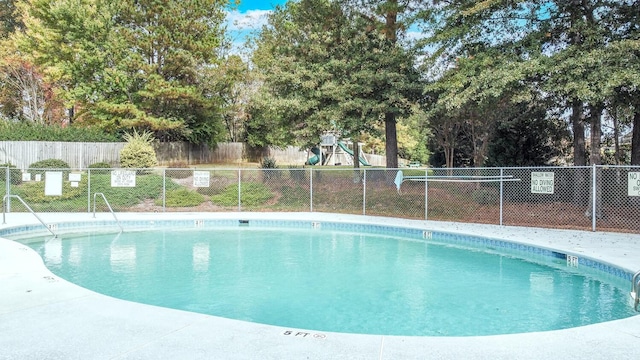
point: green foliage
(148, 186)
(25, 131)
(32, 192)
(268, 163)
(54, 164)
(138, 152)
(269, 172)
(147, 55)
(325, 70)
(181, 198)
(15, 175)
(253, 194)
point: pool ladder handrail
(109, 206)
(635, 290)
(4, 212)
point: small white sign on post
(634, 183)
(542, 182)
(53, 183)
(26, 176)
(123, 178)
(75, 177)
(201, 178)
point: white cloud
(250, 20)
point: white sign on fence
(201, 178)
(123, 178)
(542, 182)
(53, 183)
(634, 184)
(75, 177)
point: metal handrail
(109, 206)
(635, 290)
(4, 211)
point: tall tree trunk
(577, 123)
(635, 139)
(616, 137)
(391, 140)
(579, 152)
(391, 135)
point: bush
(269, 171)
(138, 152)
(268, 163)
(53, 164)
(485, 196)
(15, 175)
(253, 194)
(181, 198)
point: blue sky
(258, 5)
(247, 17)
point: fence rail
(604, 198)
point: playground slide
(315, 158)
(348, 151)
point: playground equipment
(335, 152)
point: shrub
(485, 196)
(138, 152)
(15, 175)
(268, 163)
(269, 169)
(253, 194)
(181, 198)
(54, 164)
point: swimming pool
(324, 291)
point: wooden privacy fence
(80, 155)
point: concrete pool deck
(45, 317)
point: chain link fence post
(311, 189)
(426, 194)
(7, 189)
(364, 192)
(501, 193)
(88, 190)
(239, 190)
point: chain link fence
(605, 198)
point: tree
(9, 19)
(330, 71)
(391, 18)
(130, 64)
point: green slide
(315, 158)
(348, 151)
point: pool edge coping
(345, 345)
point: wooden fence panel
(81, 155)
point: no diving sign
(634, 184)
(542, 182)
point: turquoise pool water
(328, 280)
